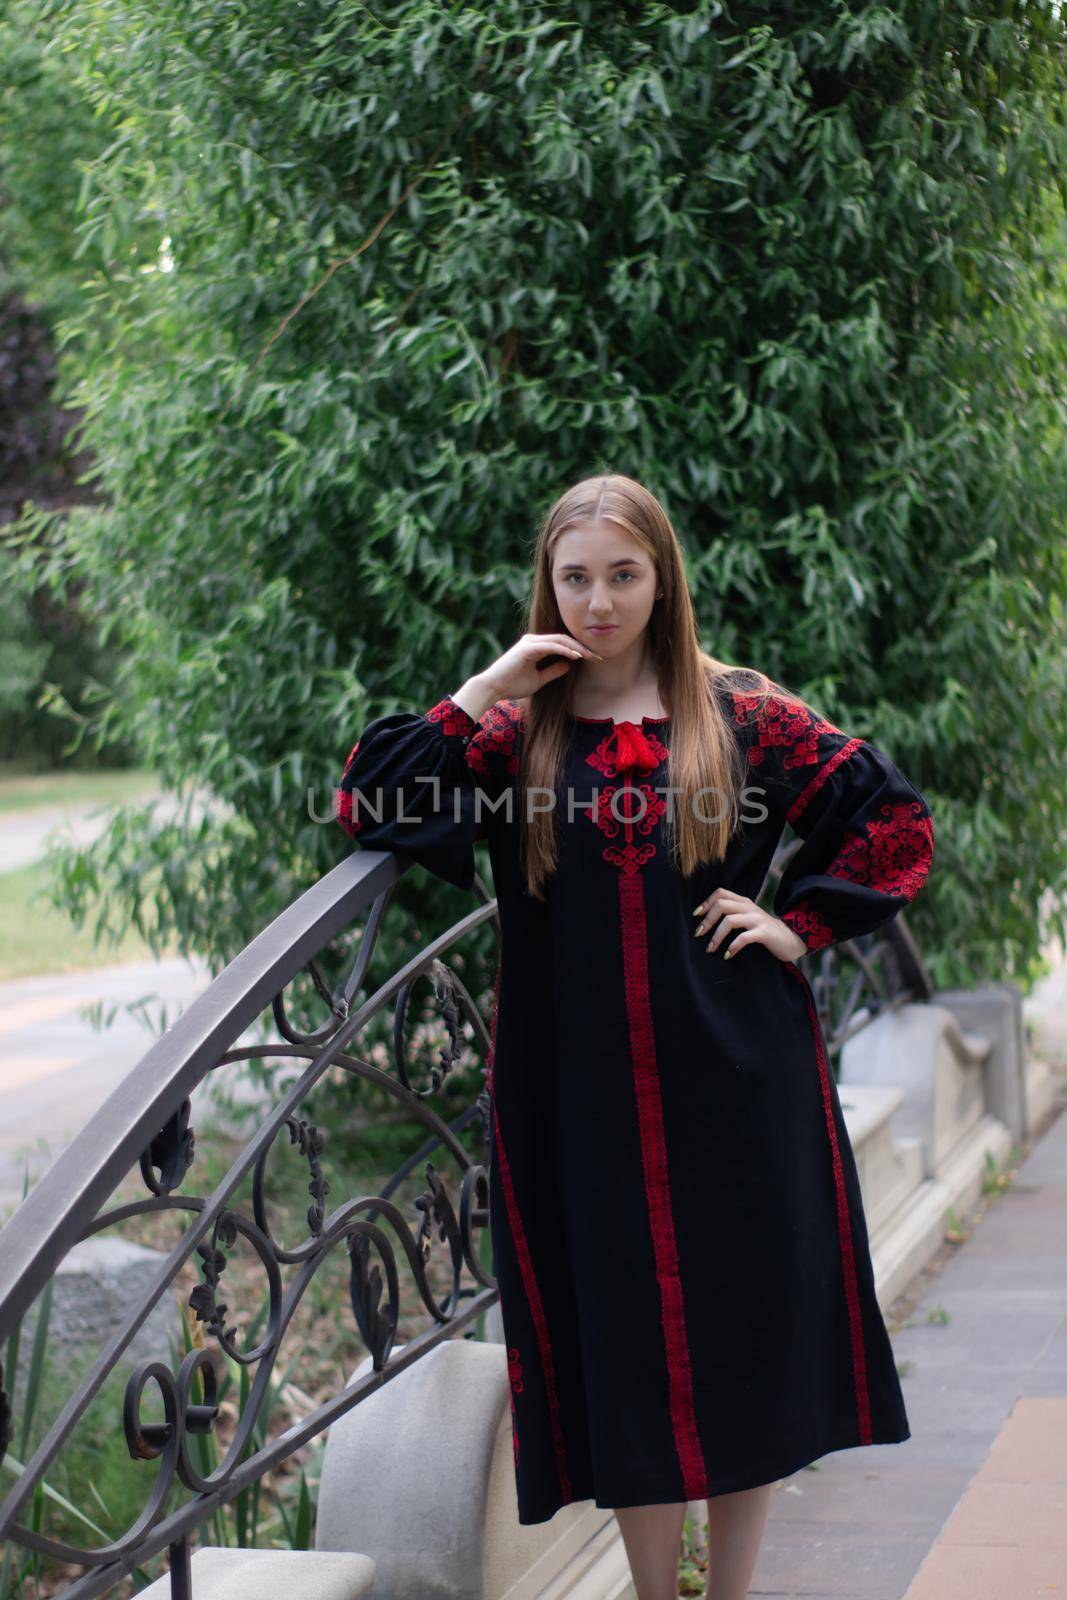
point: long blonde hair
(704, 753)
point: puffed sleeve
(430, 784)
(868, 833)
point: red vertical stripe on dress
(844, 1227)
(526, 1268)
(654, 1160)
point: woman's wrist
(800, 946)
(475, 697)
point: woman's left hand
(736, 911)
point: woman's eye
(631, 575)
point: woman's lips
(603, 627)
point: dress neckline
(626, 721)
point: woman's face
(602, 577)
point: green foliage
(22, 655)
(51, 669)
(47, 127)
(361, 289)
(48, 652)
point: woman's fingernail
(729, 953)
(698, 910)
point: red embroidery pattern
(516, 1383)
(537, 1310)
(892, 856)
(452, 717)
(630, 856)
(652, 808)
(342, 799)
(342, 804)
(782, 721)
(844, 1228)
(829, 766)
(496, 739)
(815, 933)
(657, 1190)
(627, 748)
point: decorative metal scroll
(436, 1233)
(438, 1230)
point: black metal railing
(145, 1125)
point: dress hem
(722, 1484)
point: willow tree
(360, 289)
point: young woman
(679, 1238)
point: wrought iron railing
(145, 1124)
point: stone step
(219, 1574)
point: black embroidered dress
(679, 1237)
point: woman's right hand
(516, 673)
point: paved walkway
(1008, 1534)
(986, 1392)
(974, 1504)
(27, 835)
(68, 1039)
(57, 1066)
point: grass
(39, 939)
(33, 791)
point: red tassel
(633, 751)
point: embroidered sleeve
(431, 784)
(868, 833)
